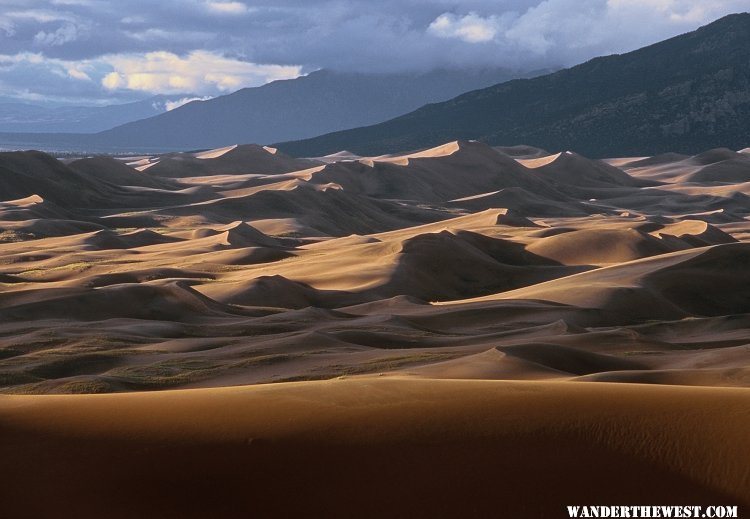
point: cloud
(77, 71)
(199, 72)
(39, 15)
(568, 33)
(74, 2)
(7, 27)
(138, 47)
(123, 78)
(470, 28)
(33, 76)
(61, 36)
(171, 105)
(227, 7)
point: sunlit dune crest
(213, 154)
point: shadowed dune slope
(116, 172)
(27, 173)
(576, 170)
(719, 284)
(244, 159)
(456, 169)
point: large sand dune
(373, 447)
(428, 279)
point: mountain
(320, 102)
(29, 118)
(684, 94)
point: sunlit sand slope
(373, 447)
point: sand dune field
(443, 332)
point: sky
(108, 51)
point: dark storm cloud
(93, 48)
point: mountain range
(684, 94)
(320, 102)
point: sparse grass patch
(92, 386)
(16, 236)
(14, 378)
(371, 366)
(166, 374)
(7, 353)
(72, 365)
(263, 360)
(79, 266)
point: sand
(248, 273)
(435, 261)
(373, 447)
(458, 331)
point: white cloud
(227, 7)
(127, 20)
(61, 36)
(40, 16)
(34, 76)
(200, 72)
(84, 3)
(7, 27)
(62, 68)
(554, 26)
(154, 35)
(77, 72)
(470, 28)
(171, 105)
(33, 58)
(539, 33)
(680, 11)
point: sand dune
(248, 158)
(735, 170)
(523, 202)
(657, 160)
(116, 172)
(214, 154)
(240, 265)
(714, 156)
(434, 448)
(521, 152)
(470, 332)
(656, 287)
(240, 234)
(26, 174)
(576, 170)
(435, 175)
(713, 166)
(695, 232)
(599, 246)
